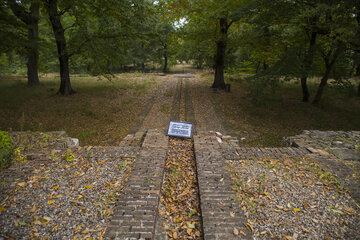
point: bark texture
(31, 19)
(358, 76)
(308, 60)
(328, 67)
(58, 29)
(219, 81)
(165, 58)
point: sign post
(180, 129)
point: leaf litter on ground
(179, 194)
(53, 198)
(293, 198)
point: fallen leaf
(45, 219)
(232, 214)
(241, 232)
(22, 223)
(175, 235)
(55, 228)
(287, 237)
(236, 232)
(2, 208)
(88, 186)
(191, 225)
(248, 226)
(50, 202)
(337, 211)
(22, 184)
(33, 209)
(55, 187)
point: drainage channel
(179, 210)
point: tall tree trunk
(33, 55)
(31, 19)
(143, 57)
(322, 85)
(65, 85)
(358, 75)
(165, 59)
(308, 60)
(219, 81)
(265, 66)
(257, 67)
(328, 67)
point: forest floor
(264, 119)
(102, 111)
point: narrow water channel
(180, 205)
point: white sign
(180, 129)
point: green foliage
(6, 150)
(69, 156)
(19, 156)
(264, 90)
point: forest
(270, 41)
(89, 89)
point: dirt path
(206, 117)
(186, 97)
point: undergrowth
(6, 150)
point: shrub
(6, 150)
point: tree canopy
(275, 39)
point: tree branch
(71, 26)
(229, 25)
(20, 12)
(65, 10)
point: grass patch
(101, 112)
(270, 118)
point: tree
(218, 17)
(316, 30)
(59, 34)
(31, 19)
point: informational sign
(180, 129)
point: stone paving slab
(344, 145)
(337, 152)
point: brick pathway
(220, 213)
(136, 214)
